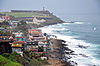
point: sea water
(85, 31)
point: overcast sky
(56, 6)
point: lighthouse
(43, 8)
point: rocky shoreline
(57, 53)
(64, 53)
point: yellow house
(16, 44)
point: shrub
(6, 55)
(39, 59)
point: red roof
(34, 49)
(36, 29)
(21, 41)
(18, 42)
(6, 17)
(41, 52)
(18, 37)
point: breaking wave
(82, 56)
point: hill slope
(5, 62)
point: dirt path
(53, 61)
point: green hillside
(22, 14)
(5, 62)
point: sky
(55, 6)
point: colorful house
(19, 38)
(6, 18)
(18, 34)
(37, 21)
(32, 46)
(18, 45)
(35, 32)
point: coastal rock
(81, 46)
(83, 55)
(64, 45)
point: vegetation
(26, 60)
(6, 62)
(14, 57)
(4, 24)
(22, 14)
(29, 58)
(40, 49)
(34, 59)
(21, 27)
(5, 33)
(51, 18)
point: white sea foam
(66, 23)
(73, 45)
(78, 22)
(73, 23)
(96, 62)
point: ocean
(84, 31)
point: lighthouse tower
(43, 8)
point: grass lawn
(23, 14)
